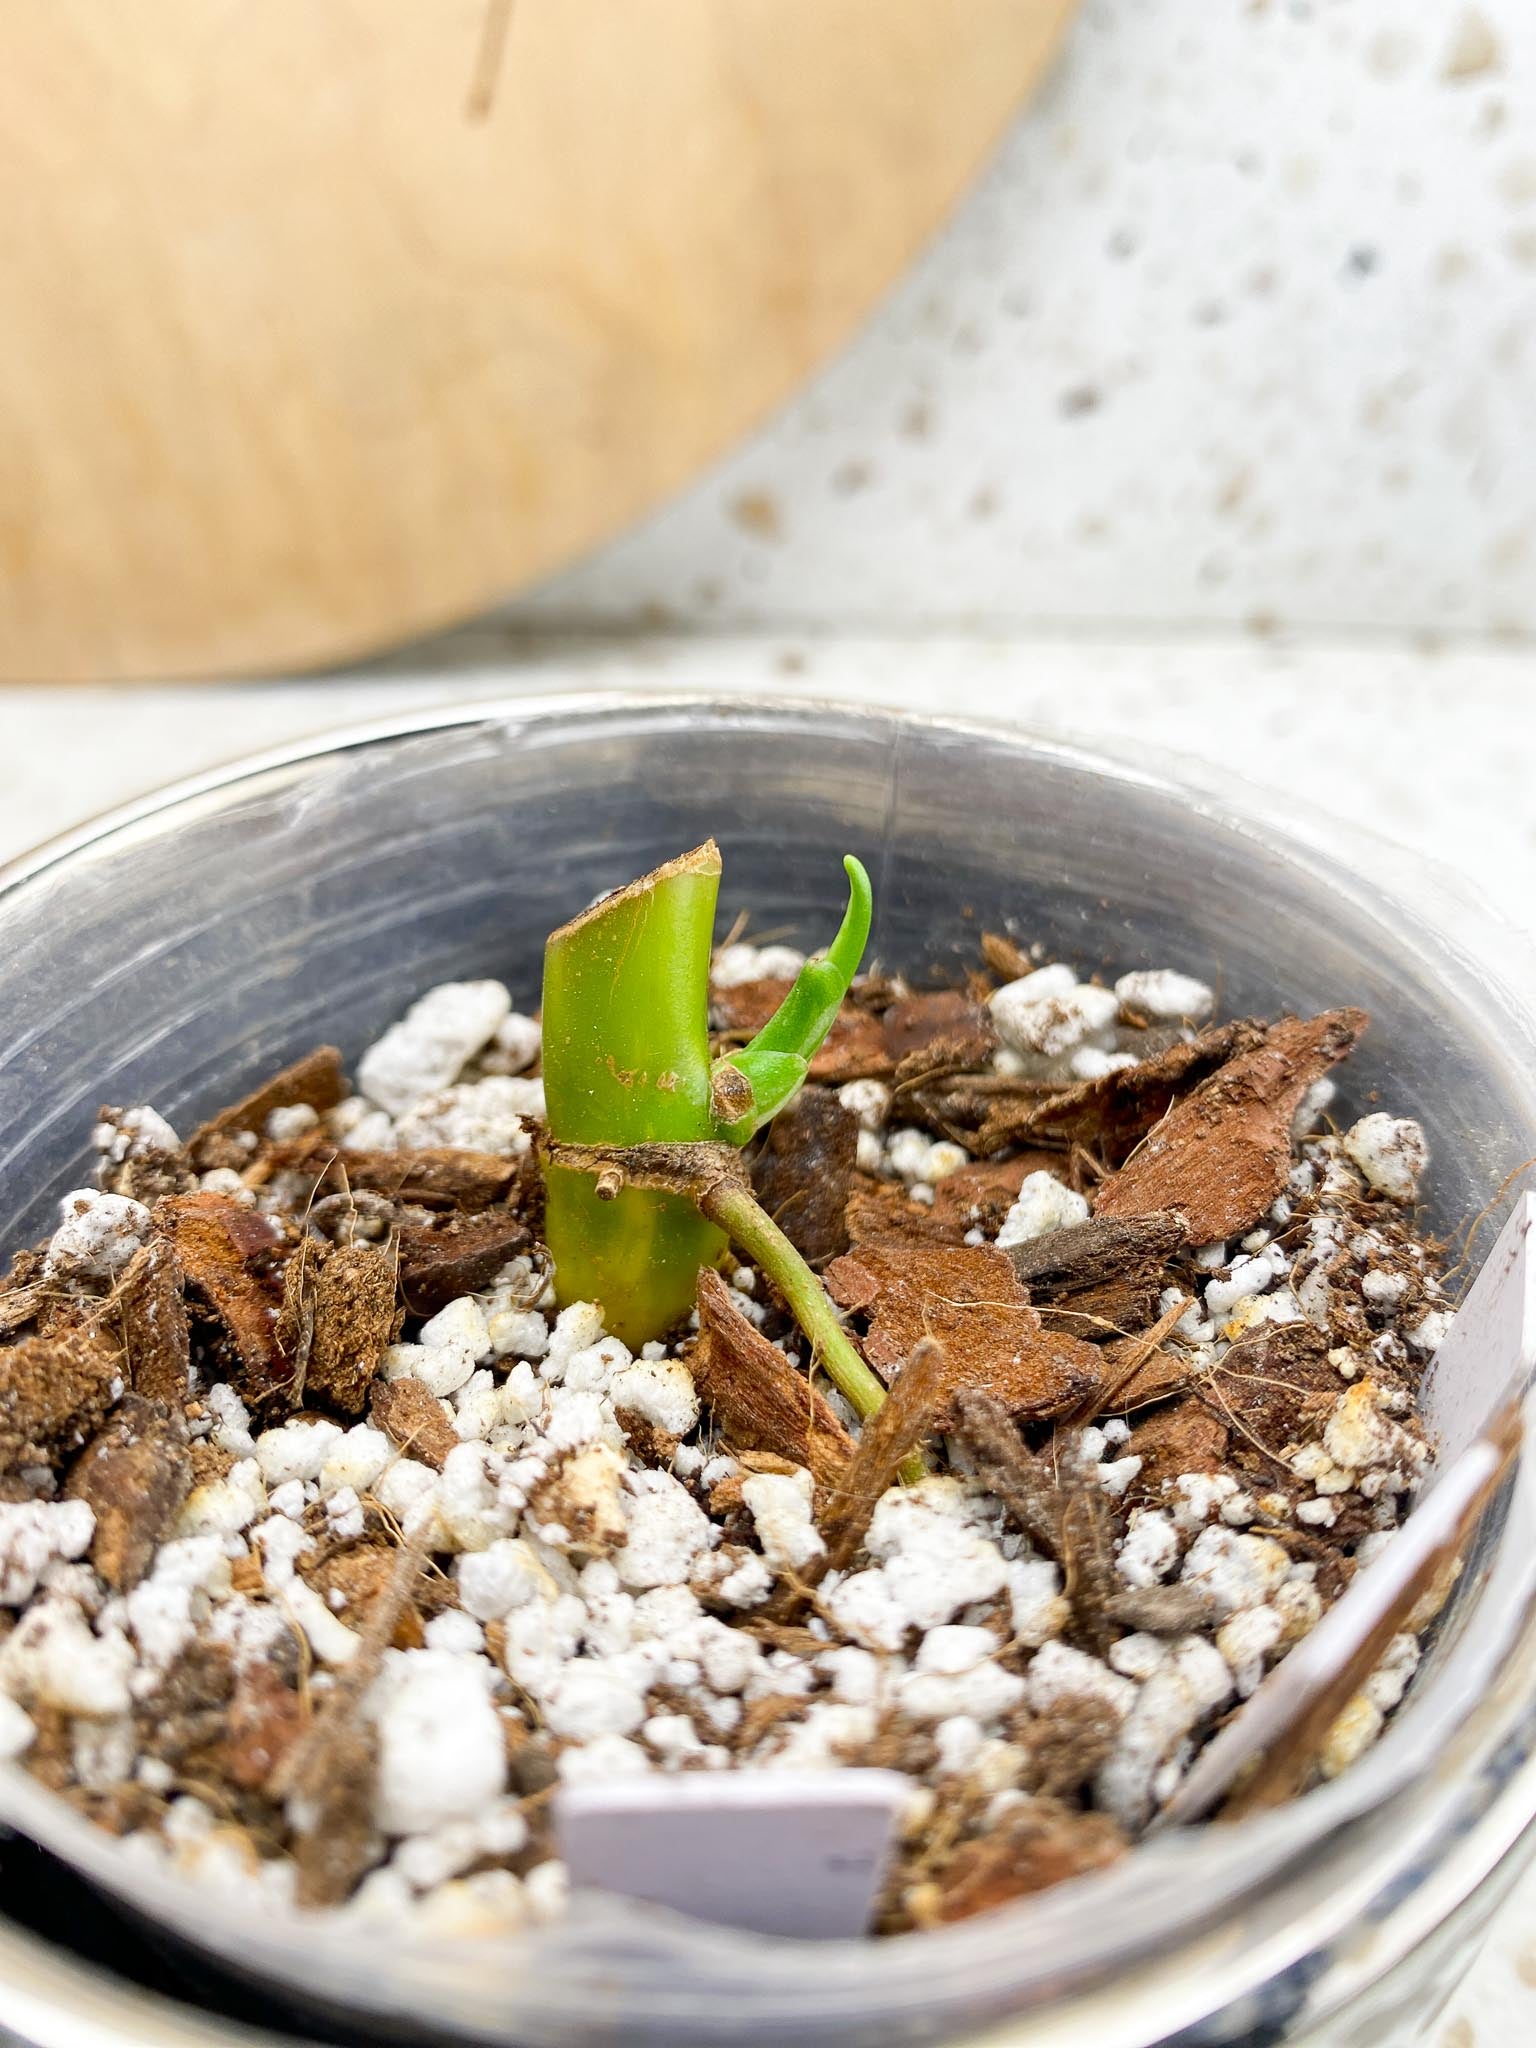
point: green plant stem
(753, 1231)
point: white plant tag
(799, 1853)
(1490, 1349)
(1478, 1378)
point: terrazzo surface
(1241, 327)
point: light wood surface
(328, 322)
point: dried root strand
(889, 1438)
(1064, 1512)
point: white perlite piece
(1391, 1152)
(1044, 1204)
(1050, 1012)
(1165, 995)
(868, 1101)
(441, 1754)
(99, 1234)
(666, 1531)
(52, 1659)
(518, 1042)
(1192, 1682)
(734, 966)
(32, 1534)
(781, 1506)
(429, 1047)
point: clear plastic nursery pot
(181, 949)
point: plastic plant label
(1490, 1350)
(797, 1853)
(1474, 1392)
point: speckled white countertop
(1435, 751)
(1241, 326)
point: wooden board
(328, 322)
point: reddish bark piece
(23, 1293)
(55, 1392)
(650, 1443)
(970, 1299)
(979, 1197)
(1037, 1844)
(1112, 1113)
(316, 1080)
(134, 1475)
(456, 1254)
(879, 1213)
(152, 1317)
(266, 1719)
(945, 1015)
(438, 1177)
(354, 1319)
(337, 1842)
(1184, 1437)
(804, 1172)
(1153, 1377)
(758, 1398)
(854, 1049)
(1278, 1386)
(871, 1035)
(1221, 1157)
(1066, 1746)
(1005, 957)
(412, 1416)
(222, 1247)
(1058, 1502)
(891, 1434)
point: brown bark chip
(335, 1842)
(872, 1034)
(457, 1254)
(157, 1345)
(1221, 1157)
(1083, 1255)
(412, 1417)
(438, 1177)
(1100, 1278)
(266, 1719)
(145, 1172)
(895, 1430)
(134, 1476)
(854, 1048)
(1066, 1746)
(1034, 1845)
(969, 1299)
(881, 1214)
(1277, 1384)
(316, 1080)
(1184, 1437)
(804, 1172)
(758, 1398)
(979, 1197)
(1165, 1610)
(354, 1321)
(1108, 1115)
(946, 1018)
(224, 1249)
(55, 1393)
(1057, 1501)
